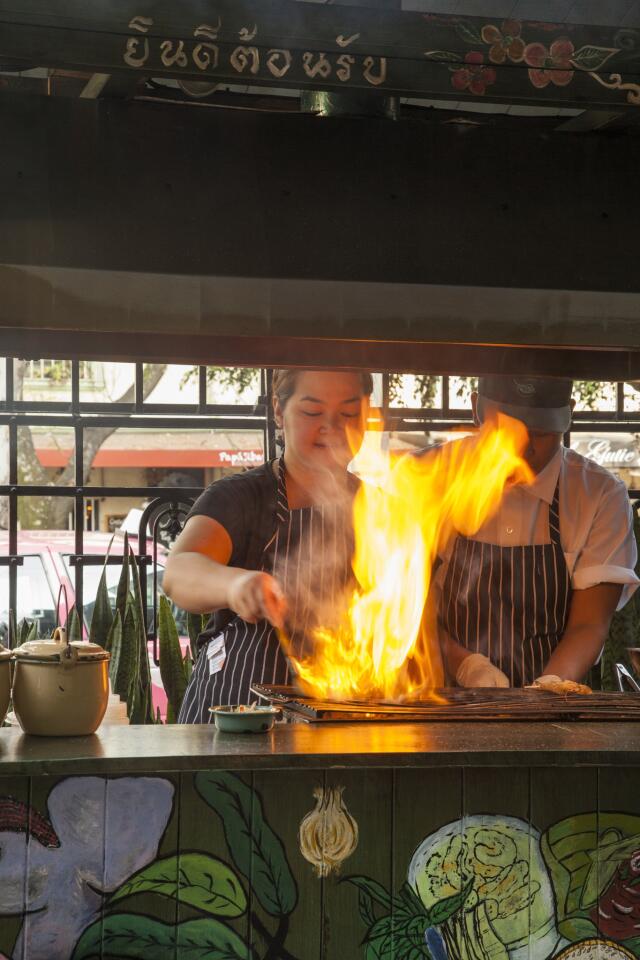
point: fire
(405, 511)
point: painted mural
(212, 865)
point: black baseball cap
(541, 403)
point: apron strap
(554, 516)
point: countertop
(119, 749)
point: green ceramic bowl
(232, 720)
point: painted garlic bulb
(328, 834)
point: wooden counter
(180, 842)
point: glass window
(35, 599)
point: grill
(457, 704)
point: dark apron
(310, 552)
(509, 603)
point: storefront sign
(608, 451)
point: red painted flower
(474, 76)
(551, 65)
(505, 41)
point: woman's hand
(254, 596)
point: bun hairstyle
(283, 386)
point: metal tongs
(623, 675)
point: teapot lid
(4, 653)
(56, 648)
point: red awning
(56, 457)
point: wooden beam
(345, 354)
(321, 46)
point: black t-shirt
(245, 505)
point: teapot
(60, 688)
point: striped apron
(509, 603)
(310, 554)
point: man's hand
(477, 670)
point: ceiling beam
(329, 47)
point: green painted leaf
(468, 33)
(441, 911)
(373, 889)
(443, 56)
(102, 616)
(591, 57)
(130, 936)
(201, 881)
(172, 670)
(255, 848)
(365, 908)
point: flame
(404, 513)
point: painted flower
(504, 41)
(473, 76)
(552, 65)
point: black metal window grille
(168, 507)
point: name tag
(216, 654)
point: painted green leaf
(390, 938)
(468, 33)
(441, 911)
(130, 936)
(443, 56)
(102, 616)
(201, 881)
(255, 848)
(365, 908)
(591, 57)
(172, 670)
(373, 889)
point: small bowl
(234, 720)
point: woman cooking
(531, 596)
(249, 548)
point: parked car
(46, 567)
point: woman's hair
(284, 384)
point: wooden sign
(316, 46)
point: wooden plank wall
(502, 864)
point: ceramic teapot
(60, 688)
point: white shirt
(596, 522)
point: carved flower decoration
(505, 41)
(473, 76)
(552, 65)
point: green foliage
(74, 630)
(130, 936)
(240, 378)
(400, 930)
(196, 879)
(254, 847)
(172, 666)
(102, 616)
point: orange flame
(404, 513)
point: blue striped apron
(509, 603)
(310, 554)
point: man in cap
(533, 593)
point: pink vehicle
(46, 567)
